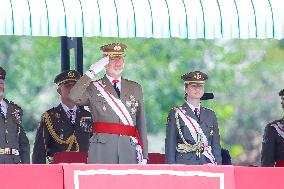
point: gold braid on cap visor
(111, 54)
(65, 80)
(199, 82)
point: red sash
(118, 129)
(279, 163)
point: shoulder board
(81, 108)
(96, 80)
(174, 108)
(207, 108)
(15, 105)
(281, 121)
(134, 82)
(93, 80)
(52, 111)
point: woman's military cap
(197, 77)
(281, 93)
(113, 49)
(65, 76)
(2, 73)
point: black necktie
(197, 115)
(116, 88)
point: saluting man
(192, 135)
(14, 144)
(117, 108)
(66, 127)
(272, 153)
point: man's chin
(118, 72)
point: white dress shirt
(193, 108)
(66, 109)
(4, 107)
(118, 84)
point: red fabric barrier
(259, 177)
(156, 158)
(70, 157)
(31, 176)
(150, 176)
(81, 157)
(79, 176)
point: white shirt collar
(192, 107)
(66, 109)
(111, 79)
(117, 84)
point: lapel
(9, 108)
(108, 86)
(203, 115)
(188, 111)
(63, 114)
(78, 116)
(124, 90)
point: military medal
(57, 115)
(104, 108)
(17, 116)
(132, 104)
(86, 124)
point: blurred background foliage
(244, 75)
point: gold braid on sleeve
(69, 141)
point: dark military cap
(195, 77)
(114, 49)
(281, 93)
(68, 75)
(2, 73)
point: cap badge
(71, 74)
(117, 48)
(57, 115)
(197, 76)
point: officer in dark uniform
(66, 127)
(14, 144)
(272, 153)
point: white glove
(97, 67)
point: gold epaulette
(70, 141)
